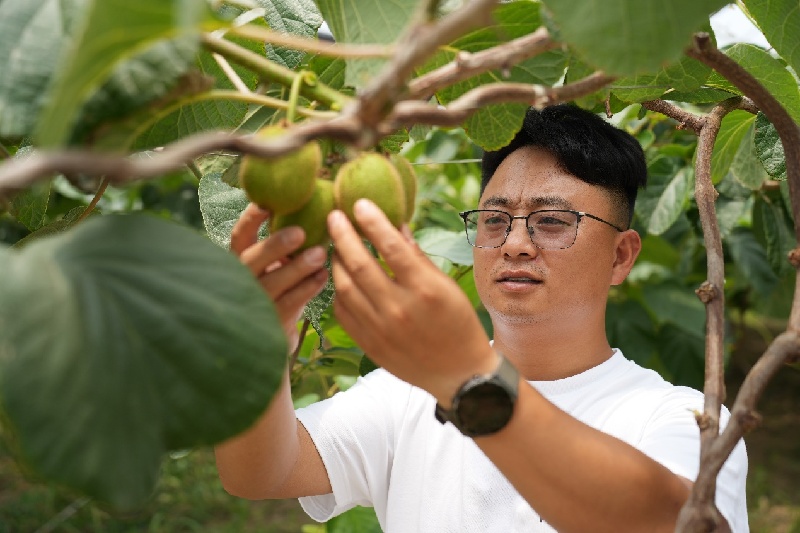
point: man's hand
(418, 325)
(290, 282)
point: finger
(279, 281)
(349, 294)
(245, 231)
(359, 267)
(273, 249)
(393, 246)
(292, 302)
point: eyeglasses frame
(579, 214)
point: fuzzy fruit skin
(312, 217)
(282, 184)
(409, 178)
(372, 176)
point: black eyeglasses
(549, 229)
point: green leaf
(630, 329)
(769, 148)
(298, 17)
(774, 229)
(493, 127)
(678, 305)
(114, 30)
(704, 95)
(59, 226)
(32, 35)
(750, 259)
(29, 207)
(356, 520)
(686, 75)
(746, 168)
(668, 190)
(144, 78)
(139, 337)
(683, 355)
(221, 206)
(629, 37)
(779, 21)
(450, 245)
(362, 22)
(731, 136)
(770, 72)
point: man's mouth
(518, 277)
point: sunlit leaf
(114, 30)
(450, 245)
(745, 166)
(732, 133)
(629, 37)
(779, 21)
(298, 17)
(769, 148)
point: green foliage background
(137, 317)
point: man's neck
(543, 353)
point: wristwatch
(484, 404)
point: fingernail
(315, 256)
(292, 236)
(365, 207)
(336, 218)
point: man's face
(518, 282)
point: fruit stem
(271, 71)
(294, 95)
(99, 194)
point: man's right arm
(276, 458)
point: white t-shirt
(383, 448)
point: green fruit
(312, 217)
(409, 178)
(372, 176)
(281, 184)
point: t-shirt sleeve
(354, 432)
(672, 438)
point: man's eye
(551, 221)
(494, 222)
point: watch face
(484, 409)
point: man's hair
(585, 146)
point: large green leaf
(362, 22)
(682, 355)
(144, 78)
(494, 126)
(628, 37)
(29, 207)
(668, 190)
(678, 305)
(32, 35)
(138, 336)
(779, 21)
(450, 245)
(770, 72)
(299, 17)
(750, 258)
(221, 206)
(630, 329)
(114, 30)
(731, 136)
(687, 75)
(746, 167)
(769, 148)
(774, 229)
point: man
(558, 431)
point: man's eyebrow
(536, 202)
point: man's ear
(628, 246)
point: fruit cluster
(290, 187)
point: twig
(194, 169)
(467, 65)
(63, 515)
(296, 352)
(685, 119)
(231, 74)
(288, 40)
(267, 101)
(411, 112)
(415, 47)
(272, 71)
(89, 208)
(18, 174)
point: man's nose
(518, 240)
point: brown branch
(467, 65)
(18, 174)
(415, 47)
(99, 194)
(788, 131)
(703, 508)
(685, 119)
(411, 112)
